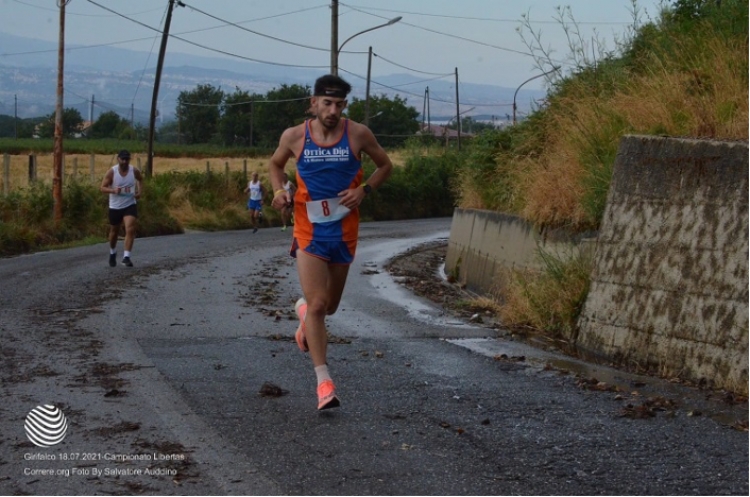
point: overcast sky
(479, 37)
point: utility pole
(57, 150)
(458, 115)
(252, 118)
(426, 110)
(334, 36)
(429, 120)
(91, 112)
(157, 81)
(15, 116)
(367, 90)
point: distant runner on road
(255, 200)
(287, 212)
(124, 184)
(329, 177)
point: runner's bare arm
(106, 186)
(366, 142)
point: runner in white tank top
(255, 201)
(124, 185)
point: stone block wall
(669, 289)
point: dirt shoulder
(420, 269)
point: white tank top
(255, 190)
(126, 184)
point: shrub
(685, 75)
(549, 300)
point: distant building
(442, 132)
(83, 129)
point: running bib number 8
(326, 211)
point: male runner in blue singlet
(329, 177)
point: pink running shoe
(327, 395)
(301, 309)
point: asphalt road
(159, 371)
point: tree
(168, 133)
(236, 123)
(8, 125)
(283, 107)
(198, 112)
(72, 122)
(110, 125)
(392, 121)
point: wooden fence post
(244, 169)
(32, 168)
(6, 174)
(208, 168)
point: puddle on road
(390, 290)
(633, 387)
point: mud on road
(420, 269)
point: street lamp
(556, 68)
(335, 66)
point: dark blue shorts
(335, 252)
(254, 205)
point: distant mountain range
(118, 79)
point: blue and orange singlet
(323, 172)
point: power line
(79, 14)
(391, 87)
(150, 53)
(398, 90)
(298, 99)
(447, 34)
(204, 46)
(122, 42)
(488, 19)
(229, 23)
(68, 49)
(421, 81)
(410, 69)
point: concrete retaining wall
(484, 243)
(669, 289)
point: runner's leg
(114, 230)
(130, 227)
(336, 283)
(322, 286)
